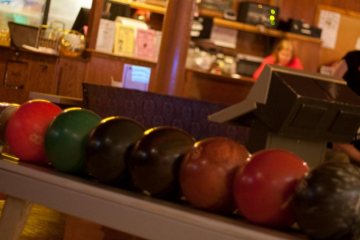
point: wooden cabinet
(214, 88)
(70, 77)
(107, 69)
(22, 72)
(16, 73)
(42, 74)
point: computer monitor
(296, 110)
(21, 34)
(82, 20)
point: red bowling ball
(26, 129)
(264, 188)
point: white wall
(66, 10)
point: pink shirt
(294, 63)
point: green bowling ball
(65, 139)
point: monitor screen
(81, 21)
(136, 77)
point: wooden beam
(94, 21)
(170, 71)
(14, 217)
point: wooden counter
(216, 88)
(22, 72)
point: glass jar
(4, 36)
(72, 44)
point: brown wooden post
(94, 21)
(170, 70)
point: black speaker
(118, 9)
(256, 13)
(299, 27)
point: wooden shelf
(248, 28)
(243, 79)
(262, 30)
(145, 6)
(131, 60)
(219, 21)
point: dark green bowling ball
(65, 139)
(155, 161)
(107, 147)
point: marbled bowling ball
(107, 148)
(208, 170)
(155, 160)
(6, 112)
(65, 140)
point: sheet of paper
(224, 37)
(329, 23)
(124, 40)
(145, 44)
(357, 46)
(106, 35)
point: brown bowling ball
(207, 173)
(155, 160)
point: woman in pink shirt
(283, 55)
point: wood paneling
(16, 74)
(71, 75)
(42, 75)
(4, 56)
(347, 34)
(103, 71)
(13, 95)
(349, 5)
(107, 69)
(309, 53)
(292, 9)
(306, 9)
(23, 72)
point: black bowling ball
(107, 148)
(155, 160)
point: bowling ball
(107, 147)
(208, 170)
(65, 139)
(264, 188)
(26, 128)
(5, 114)
(155, 160)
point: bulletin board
(345, 32)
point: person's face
(285, 55)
